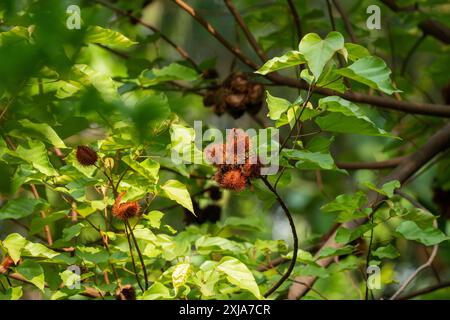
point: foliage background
(62, 88)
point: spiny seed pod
(233, 180)
(126, 292)
(126, 210)
(86, 156)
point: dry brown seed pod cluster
(86, 156)
(235, 96)
(125, 210)
(235, 163)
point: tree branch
(296, 18)
(294, 235)
(425, 290)
(405, 169)
(431, 27)
(236, 51)
(390, 163)
(347, 24)
(251, 39)
(383, 102)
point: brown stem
(375, 165)
(133, 262)
(294, 235)
(236, 51)
(251, 39)
(425, 290)
(379, 101)
(345, 18)
(179, 49)
(296, 18)
(141, 258)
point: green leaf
(69, 278)
(355, 51)
(72, 231)
(14, 35)
(20, 208)
(207, 244)
(344, 235)
(371, 71)
(334, 252)
(13, 293)
(389, 252)
(310, 160)
(157, 291)
(348, 206)
(41, 131)
(180, 275)
(428, 236)
(33, 272)
(346, 117)
(239, 275)
(173, 71)
(14, 244)
(318, 51)
(38, 250)
(148, 168)
(175, 190)
(277, 106)
(35, 153)
(289, 59)
(107, 37)
(154, 218)
(387, 189)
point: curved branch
(390, 163)
(251, 39)
(347, 24)
(294, 235)
(431, 27)
(425, 290)
(236, 51)
(405, 169)
(296, 17)
(430, 260)
(179, 49)
(383, 102)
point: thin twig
(179, 49)
(425, 291)
(296, 18)
(411, 52)
(251, 39)
(141, 258)
(236, 51)
(345, 18)
(133, 262)
(431, 257)
(294, 235)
